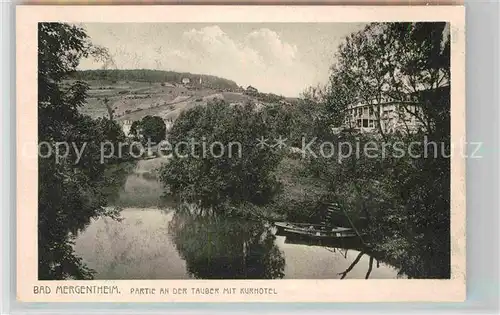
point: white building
(186, 81)
(391, 114)
(126, 125)
(169, 123)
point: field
(132, 100)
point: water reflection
(137, 186)
(224, 248)
(152, 241)
(339, 259)
(338, 246)
(155, 244)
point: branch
(344, 274)
(369, 268)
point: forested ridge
(146, 75)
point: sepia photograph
(310, 150)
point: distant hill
(143, 75)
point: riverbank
(301, 198)
(154, 241)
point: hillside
(133, 94)
(143, 75)
(132, 100)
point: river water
(152, 242)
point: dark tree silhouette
(70, 192)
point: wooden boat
(322, 234)
(317, 231)
(329, 231)
(291, 225)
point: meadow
(132, 100)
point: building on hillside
(169, 123)
(391, 115)
(186, 81)
(284, 102)
(126, 125)
(251, 90)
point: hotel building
(392, 115)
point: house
(251, 90)
(169, 123)
(126, 125)
(185, 81)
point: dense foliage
(406, 199)
(71, 190)
(145, 75)
(236, 170)
(149, 128)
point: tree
(153, 127)
(406, 199)
(134, 129)
(279, 119)
(406, 62)
(226, 167)
(108, 108)
(149, 128)
(70, 191)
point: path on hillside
(156, 109)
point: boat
(317, 231)
(281, 226)
(322, 234)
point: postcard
(240, 153)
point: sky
(280, 58)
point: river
(157, 242)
